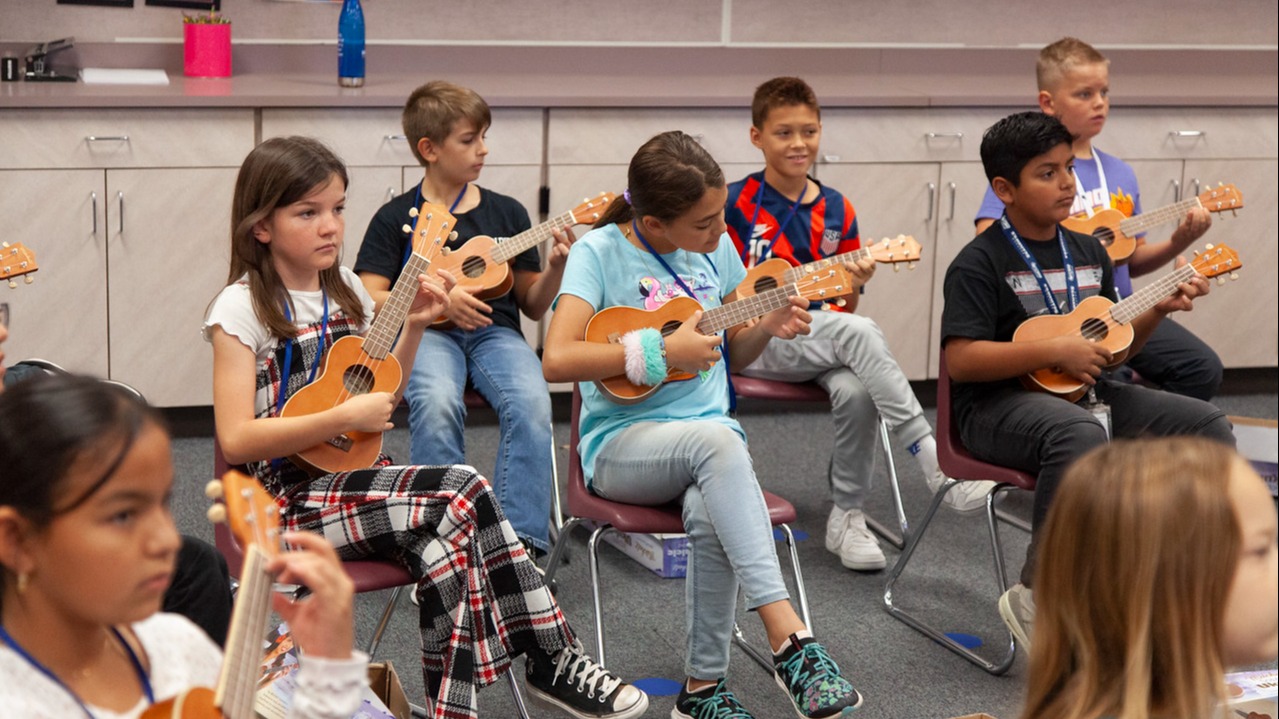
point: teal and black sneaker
(712, 702)
(812, 680)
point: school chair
(606, 516)
(779, 391)
(955, 462)
(368, 575)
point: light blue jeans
(848, 356)
(505, 370)
(707, 466)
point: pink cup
(206, 49)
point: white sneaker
(1017, 608)
(847, 536)
(969, 497)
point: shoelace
(721, 704)
(809, 665)
(576, 666)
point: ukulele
(16, 261)
(1115, 232)
(777, 271)
(360, 365)
(483, 262)
(608, 325)
(1109, 323)
(253, 517)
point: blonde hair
(1135, 563)
(1060, 57)
(433, 109)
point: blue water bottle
(351, 45)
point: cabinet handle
(951, 216)
(93, 202)
(936, 135)
(1176, 190)
(107, 138)
(1195, 182)
(120, 197)
(830, 158)
(1187, 133)
(932, 197)
(389, 138)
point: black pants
(1175, 359)
(201, 588)
(1042, 434)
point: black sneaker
(574, 684)
(712, 702)
(812, 681)
(534, 554)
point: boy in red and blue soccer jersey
(782, 212)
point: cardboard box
(386, 684)
(666, 555)
(1258, 441)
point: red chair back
(956, 461)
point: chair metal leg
(557, 510)
(515, 693)
(560, 548)
(384, 621)
(893, 538)
(592, 549)
(996, 667)
(761, 658)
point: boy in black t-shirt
(1025, 265)
(445, 125)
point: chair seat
(665, 519)
(754, 388)
(957, 463)
(371, 575)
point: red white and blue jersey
(765, 224)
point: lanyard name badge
(1100, 410)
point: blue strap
(781, 227)
(143, 679)
(723, 342)
(282, 395)
(1068, 266)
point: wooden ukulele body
(608, 325)
(1104, 225)
(767, 275)
(348, 371)
(194, 703)
(1090, 319)
(472, 265)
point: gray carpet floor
(902, 673)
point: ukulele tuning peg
(897, 268)
(1234, 276)
(1208, 246)
(28, 279)
(910, 265)
(1195, 253)
(13, 285)
(4, 245)
(216, 514)
(1221, 280)
(452, 236)
(412, 212)
(841, 302)
(213, 490)
(406, 229)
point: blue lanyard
(1068, 266)
(282, 395)
(408, 249)
(781, 228)
(723, 344)
(35, 664)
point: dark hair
(668, 175)
(433, 109)
(278, 173)
(782, 92)
(1010, 144)
(48, 423)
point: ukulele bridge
(342, 442)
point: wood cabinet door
(168, 253)
(62, 315)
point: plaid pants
(481, 600)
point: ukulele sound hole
(358, 379)
(765, 284)
(473, 267)
(1105, 236)
(1094, 329)
(669, 327)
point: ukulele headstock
(895, 251)
(16, 261)
(251, 513)
(1217, 261)
(592, 208)
(1222, 198)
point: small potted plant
(206, 42)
